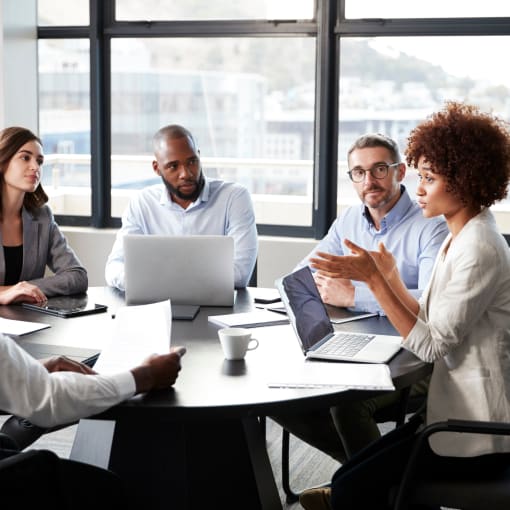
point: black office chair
(396, 412)
(28, 479)
(478, 490)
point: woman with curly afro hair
(461, 323)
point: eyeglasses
(379, 171)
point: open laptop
(188, 270)
(313, 328)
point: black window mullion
(326, 121)
(100, 138)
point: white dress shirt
(223, 208)
(28, 390)
(464, 328)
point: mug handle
(255, 346)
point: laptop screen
(306, 310)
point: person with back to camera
(58, 391)
(31, 240)
(187, 203)
(461, 323)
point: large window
(365, 9)
(247, 102)
(134, 10)
(390, 84)
(64, 123)
(275, 92)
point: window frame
(329, 28)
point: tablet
(67, 306)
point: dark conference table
(199, 444)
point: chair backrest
(507, 237)
(30, 479)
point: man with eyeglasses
(387, 214)
(187, 203)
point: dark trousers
(370, 478)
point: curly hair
(469, 148)
(11, 141)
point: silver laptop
(313, 328)
(188, 270)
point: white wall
(18, 61)
(277, 255)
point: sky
(476, 57)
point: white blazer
(464, 329)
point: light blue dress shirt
(223, 208)
(412, 239)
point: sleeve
(431, 241)
(332, 242)
(29, 391)
(114, 269)
(457, 308)
(69, 277)
(242, 227)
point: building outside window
(245, 78)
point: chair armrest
(462, 426)
(467, 426)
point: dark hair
(11, 141)
(371, 140)
(171, 132)
(469, 148)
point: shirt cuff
(125, 383)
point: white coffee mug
(235, 342)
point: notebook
(188, 270)
(314, 330)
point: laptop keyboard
(345, 344)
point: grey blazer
(45, 245)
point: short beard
(186, 196)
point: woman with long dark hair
(30, 238)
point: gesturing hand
(385, 261)
(360, 266)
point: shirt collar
(397, 212)
(203, 197)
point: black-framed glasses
(379, 171)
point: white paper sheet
(318, 374)
(139, 332)
(18, 328)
